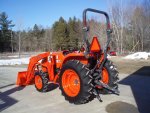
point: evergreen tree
(5, 32)
(74, 33)
(38, 35)
(60, 34)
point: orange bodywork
(49, 62)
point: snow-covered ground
(15, 56)
(138, 55)
(18, 61)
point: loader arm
(27, 77)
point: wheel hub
(38, 82)
(76, 82)
(71, 83)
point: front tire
(75, 82)
(41, 81)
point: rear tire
(112, 77)
(76, 94)
(41, 81)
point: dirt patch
(129, 66)
(121, 107)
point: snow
(138, 55)
(18, 61)
(15, 56)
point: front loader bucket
(22, 78)
(27, 77)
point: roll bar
(95, 11)
(85, 28)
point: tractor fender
(75, 56)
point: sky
(26, 13)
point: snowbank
(15, 61)
(15, 56)
(138, 55)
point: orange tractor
(81, 75)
